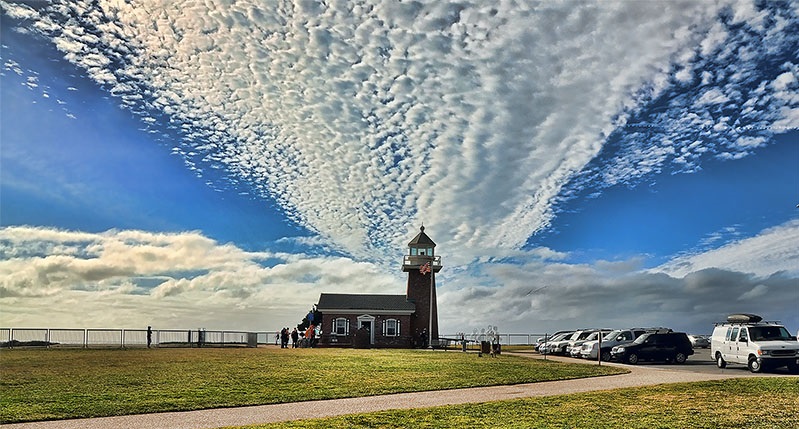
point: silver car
(575, 347)
(550, 344)
(590, 349)
(699, 341)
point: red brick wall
(419, 292)
(401, 341)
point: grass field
(62, 383)
(751, 403)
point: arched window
(341, 326)
(391, 328)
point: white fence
(122, 338)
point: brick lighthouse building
(422, 264)
(398, 321)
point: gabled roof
(422, 240)
(342, 302)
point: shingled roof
(342, 302)
(422, 239)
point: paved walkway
(220, 417)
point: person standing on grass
(310, 335)
(149, 336)
(295, 338)
(284, 338)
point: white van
(746, 339)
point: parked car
(669, 347)
(560, 347)
(542, 340)
(745, 339)
(699, 341)
(590, 349)
(550, 343)
(574, 347)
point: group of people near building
(305, 339)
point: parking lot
(701, 362)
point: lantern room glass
(421, 251)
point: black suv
(669, 347)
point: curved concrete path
(220, 417)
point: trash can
(485, 347)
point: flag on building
(424, 269)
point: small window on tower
(413, 251)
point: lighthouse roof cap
(422, 240)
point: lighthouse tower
(422, 264)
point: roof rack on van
(764, 322)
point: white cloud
(134, 278)
(738, 106)
(713, 96)
(757, 274)
(756, 292)
(139, 278)
(363, 114)
(773, 250)
(545, 298)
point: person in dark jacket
(286, 337)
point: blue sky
(681, 212)
(220, 166)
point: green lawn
(63, 383)
(751, 403)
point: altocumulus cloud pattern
(360, 117)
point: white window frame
(345, 324)
(396, 327)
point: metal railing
(125, 338)
(506, 339)
(417, 260)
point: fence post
(546, 342)
(47, 337)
